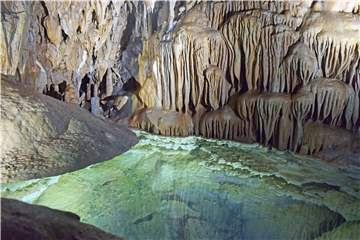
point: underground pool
(196, 188)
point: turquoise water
(195, 188)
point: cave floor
(195, 188)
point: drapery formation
(258, 71)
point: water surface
(195, 188)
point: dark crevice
(102, 85)
(46, 11)
(59, 19)
(109, 7)
(94, 56)
(45, 8)
(84, 85)
(94, 19)
(127, 33)
(64, 35)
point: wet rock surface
(278, 65)
(25, 221)
(42, 136)
(283, 74)
(193, 188)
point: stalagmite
(318, 136)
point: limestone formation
(120, 102)
(253, 71)
(224, 124)
(169, 123)
(262, 70)
(41, 136)
(71, 42)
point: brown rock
(21, 221)
(42, 136)
(162, 122)
(53, 30)
(258, 71)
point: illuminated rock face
(254, 71)
(260, 72)
(66, 42)
(44, 137)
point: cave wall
(48, 43)
(284, 74)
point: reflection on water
(193, 188)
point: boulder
(26, 221)
(42, 136)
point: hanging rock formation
(259, 71)
(72, 46)
(69, 51)
(253, 71)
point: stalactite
(179, 67)
(259, 41)
(336, 45)
(216, 89)
(270, 108)
(241, 70)
(333, 99)
(302, 105)
(299, 66)
(260, 70)
(224, 124)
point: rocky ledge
(25, 221)
(42, 136)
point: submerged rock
(21, 221)
(348, 230)
(195, 188)
(42, 136)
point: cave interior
(180, 119)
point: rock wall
(70, 50)
(42, 137)
(253, 71)
(258, 71)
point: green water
(193, 188)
